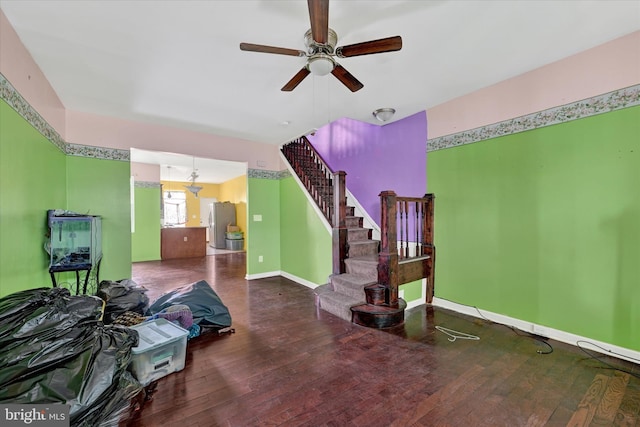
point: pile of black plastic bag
(55, 349)
(59, 348)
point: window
(175, 207)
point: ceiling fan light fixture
(195, 189)
(384, 114)
(321, 64)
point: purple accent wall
(377, 158)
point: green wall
(145, 240)
(101, 187)
(32, 180)
(412, 291)
(35, 176)
(263, 237)
(544, 226)
(305, 247)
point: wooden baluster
(423, 216)
(399, 226)
(416, 224)
(406, 228)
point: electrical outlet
(185, 238)
(260, 259)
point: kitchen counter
(183, 242)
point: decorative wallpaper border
(285, 173)
(616, 100)
(146, 184)
(263, 174)
(97, 152)
(12, 97)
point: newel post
(339, 234)
(430, 248)
(388, 256)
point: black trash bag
(107, 386)
(38, 317)
(56, 351)
(121, 296)
(29, 299)
(31, 311)
(206, 306)
(129, 398)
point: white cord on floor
(454, 335)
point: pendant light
(169, 181)
(193, 187)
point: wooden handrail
(314, 173)
(407, 249)
(326, 188)
(406, 252)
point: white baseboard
(262, 275)
(284, 274)
(299, 280)
(545, 331)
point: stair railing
(326, 188)
(407, 250)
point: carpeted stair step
(365, 266)
(337, 303)
(351, 284)
(354, 234)
(353, 222)
(361, 248)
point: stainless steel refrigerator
(221, 214)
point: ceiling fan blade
(347, 78)
(388, 44)
(295, 81)
(250, 47)
(319, 16)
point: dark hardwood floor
(291, 365)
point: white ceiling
(178, 167)
(179, 63)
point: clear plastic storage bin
(234, 244)
(161, 350)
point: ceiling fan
(321, 49)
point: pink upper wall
(19, 68)
(145, 172)
(605, 68)
(102, 131)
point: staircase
(355, 295)
(363, 287)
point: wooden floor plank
(587, 407)
(289, 364)
(629, 410)
(610, 403)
